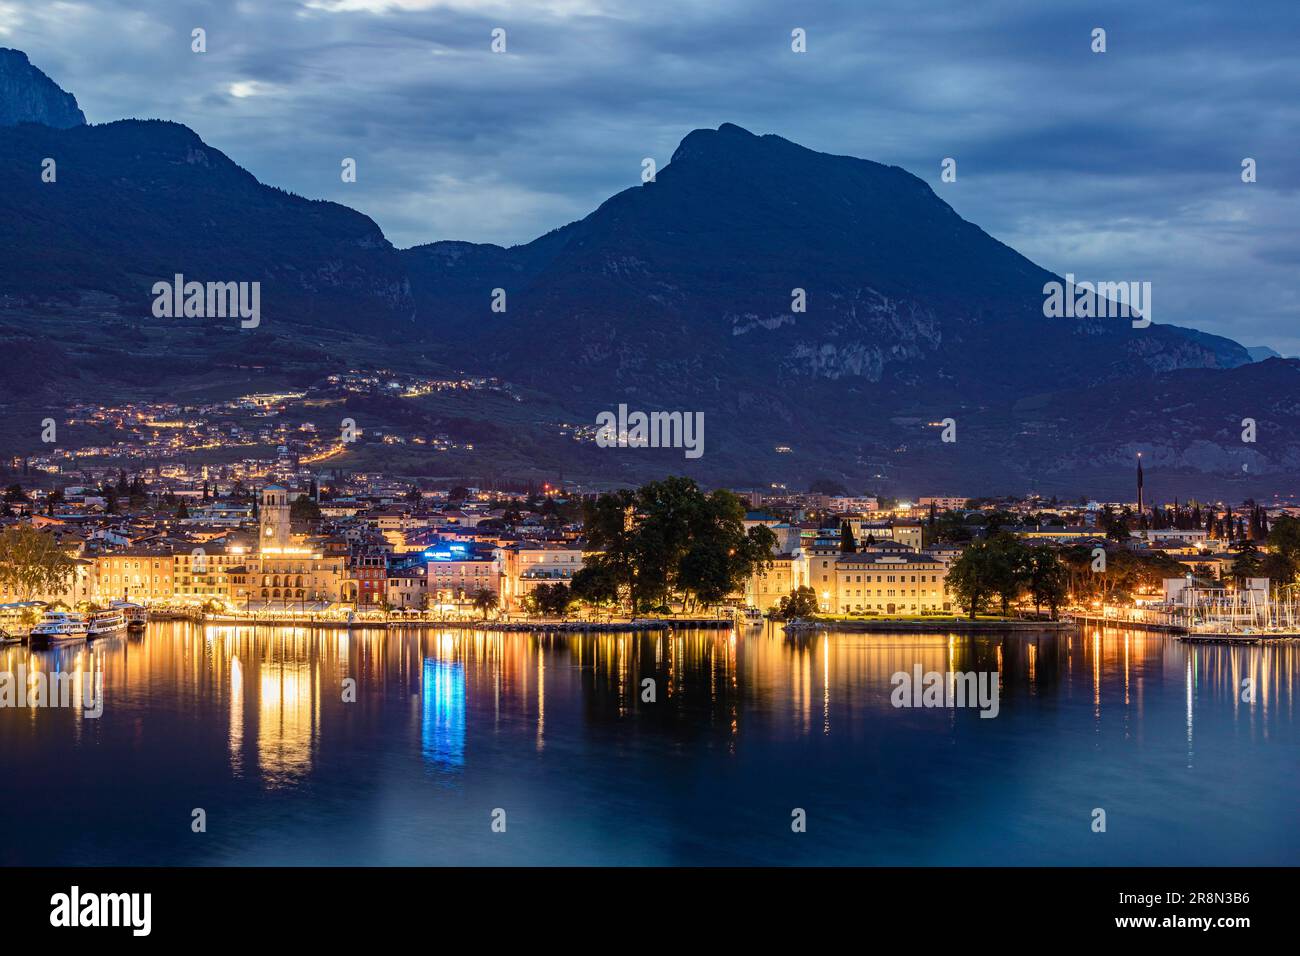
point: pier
(1128, 623)
(1240, 622)
(1233, 638)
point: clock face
(270, 532)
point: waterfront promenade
(945, 625)
(421, 621)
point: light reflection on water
(251, 724)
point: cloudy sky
(1117, 166)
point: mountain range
(682, 293)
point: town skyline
(329, 540)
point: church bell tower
(274, 530)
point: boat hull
(52, 639)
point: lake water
(451, 730)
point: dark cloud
(1119, 165)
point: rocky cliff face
(29, 96)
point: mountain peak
(29, 96)
(703, 143)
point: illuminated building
(528, 565)
(766, 587)
(455, 572)
(137, 574)
(890, 581)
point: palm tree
(485, 600)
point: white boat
(58, 627)
(135, 615)
(104, 623)
(751, 616)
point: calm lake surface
(250, 725)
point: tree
(304, 509)
(996, 520)
(31, 562)
(139, 493)
(182, 512)
(847, 543)
(704, 572)
(484, 600)
(1284, 542)
(1115, 526)
(1048, 579)
(801, 602)
(552, 599)
(998, 567)
(669, 538)
(608, 569)
(1248, 563)
(722, 554)
(595, 585)
(1009, 568)
(662, 535)
(969, 578)
(951, 526)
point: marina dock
(1119, 623)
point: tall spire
(1140, 504)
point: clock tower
(274, 528)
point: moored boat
(59, 627)
(136, 616)
(105, 623)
